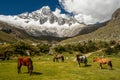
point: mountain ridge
(110, 31)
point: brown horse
(58, 56)
(81, 59)
(26, 62)
(103, 61)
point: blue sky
(87, 11)
(13, 7)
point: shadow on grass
(88, 65)
(34, 73)
(108, 69)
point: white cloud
(91, 11)
(57, 12)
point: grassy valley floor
(46, 69)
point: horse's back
(105, 60)
(24, 61)
(59, 55)
(102, 60)
(82, 59)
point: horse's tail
(19, 61)
(110, 64)
(19, 65)
(62, 58)
(30, 66)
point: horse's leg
(57, 60)
(53, 59)
(30, 72)
(19, 68)
(79, 63)
(109, 65)
(62, 59)
(100, 65)
(30, 69)
(85, 62)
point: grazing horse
(103, 61)
(81, 59)
(5, 55)
(26, 62)
(58, 56)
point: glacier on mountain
(44, 22)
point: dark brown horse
(26, 62)
(57, 57)
(81, 59)
(103, 61)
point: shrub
(44, 48)
(59, 49)
(110, 51)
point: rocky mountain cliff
(116, 16)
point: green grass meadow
(46, 69)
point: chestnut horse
(81, 59)
(26, 62)
(58, 56)
(103, 61)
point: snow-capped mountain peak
(44, 22)
(45, 14)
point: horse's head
(78, 55)
(95, 59)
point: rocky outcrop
(116, 15)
